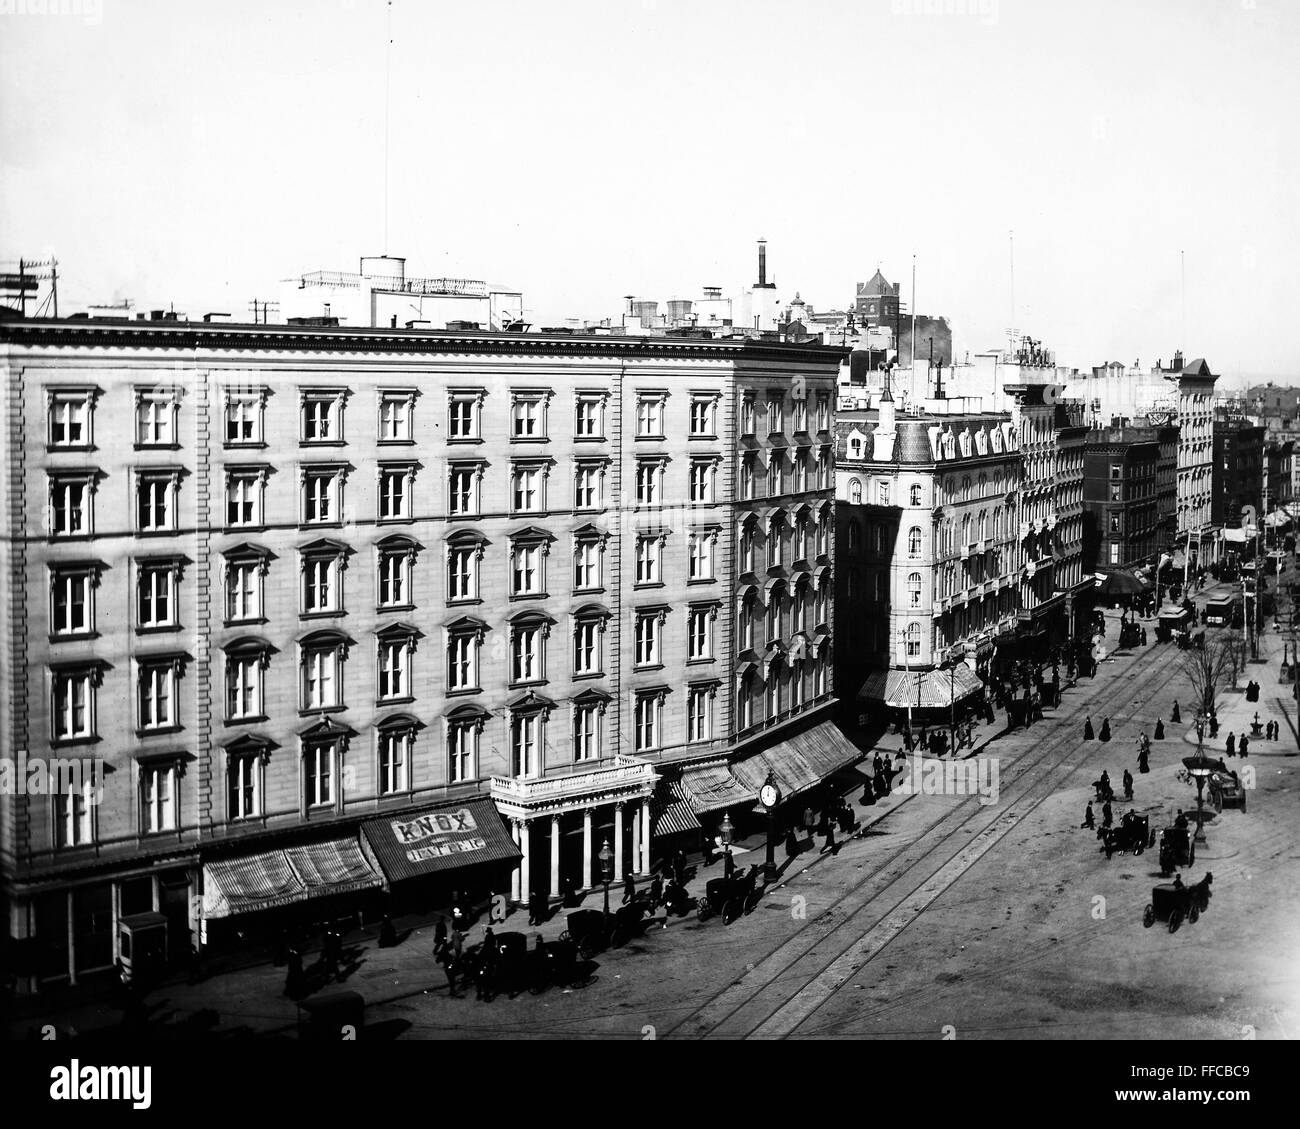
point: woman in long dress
(1088, 734)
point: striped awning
(799, 762)
(937, 688)
(671, 810)
(439, 838)
(712, 787)
(279, 878)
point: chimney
(762, 262)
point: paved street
(947, 916)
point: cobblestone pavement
(948, 916)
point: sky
(197, 154)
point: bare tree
(1207, 669)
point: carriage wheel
(1140, 847)
(1175, 920)
(729, 911)
(587, 949)
(703, 910)
(1149, 916)
(1151, 842)
(564, 937)
(1193, 913)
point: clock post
(770, 797)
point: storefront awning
(671, 810)
(711, 787)
(438, 839)
(280, 878)
(937, 688)
(799, 762)
(1237, 535)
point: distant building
(1195, 524)
(1128, 503)
(1238, 478)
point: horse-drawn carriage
(729, 897)
(1131, 835)
(1173, 622)
(1226, 791)
(1177, 848)
(1172, 902)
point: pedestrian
(629, 889)
(537, 908)
(1089, 820)
(457, 944)
(810, 817)
(1160, 730)
(440, 934)
(1105, 729)
(709, 854)
(331, 948)
(792, 842)
(1144, 636)
(1200, 729)
(293, 979)
(1242, 746)
(1107, 816)
(1173, 717)
(1128, 785)
(1088, 734)
(830, 838)
(728, 865)
(1232, 744)
(679, 868)
(1214, 727)
(459, 918)
(571, 898)
(450, 970)
(1144, 764)
(387, 934)
(656, 891)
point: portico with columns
(560, 824)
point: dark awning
(671, 810)
(439, 838)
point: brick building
(1127, 495)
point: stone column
(525, 872)
(636, 840)
(586, 848)
(555, 856)
(515, 876)
(645, 836)
(617, 845)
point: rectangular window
(243, 591)
(69, 507)
(156, 591)
(321, 504)
(702, 474)
(648, 483)
(395, 412)
(586, 719)
(586, 647)
(700, 557)
(72, 608)
(320, 681)
(462, 656)
(319, 774)
(525, 732)
(155, 421)
(526, 570)
(244, 418)
(155, 508)
(586, 565)
(462, 573)
(70, 419)
(243, 687)
(528, 416)
(244, 498)
(159, 798)
(244, 799)
(775, 414)
(650, 417)
(463, 415)
(526, 490)
(586, 487)
(647, 723)
(589, 422)
(703, 415)
(526, 655)
(394, 578)
(72, 705)
(462, 497)
(322, 420)
(698, 726)
(747, 476)
(747, 416)
(647, 639)
(394, 493)
(393, 675)
(462, 751)
(392, 763)
(647, 559)
(157, 696)
(700, 634)
(823, 411)
(74, 816)
(800, 415)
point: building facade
(1198, 532)
(293, 592)
(930, 554)
(1238, 477)
(1126, 500)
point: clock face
(768, 795)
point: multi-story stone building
(929, 559)
(326, 609)
(1238, 478)
(1197, 529)
(1051, 440)
(1127, 470)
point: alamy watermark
(91, 12)
(50, 776)
(985, 10)
(930, 776)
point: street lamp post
(1199, 768)
(770, 797)
(606, 857)
(725, 832)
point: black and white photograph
(649, 521)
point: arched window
(965, 529)
(914, 541)
(915, 494)
(914, 590)
(855, 448)
(965, 488)
(913, 640)
(984, 524)
(855, 491)
(855, 537)
(882, 493)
